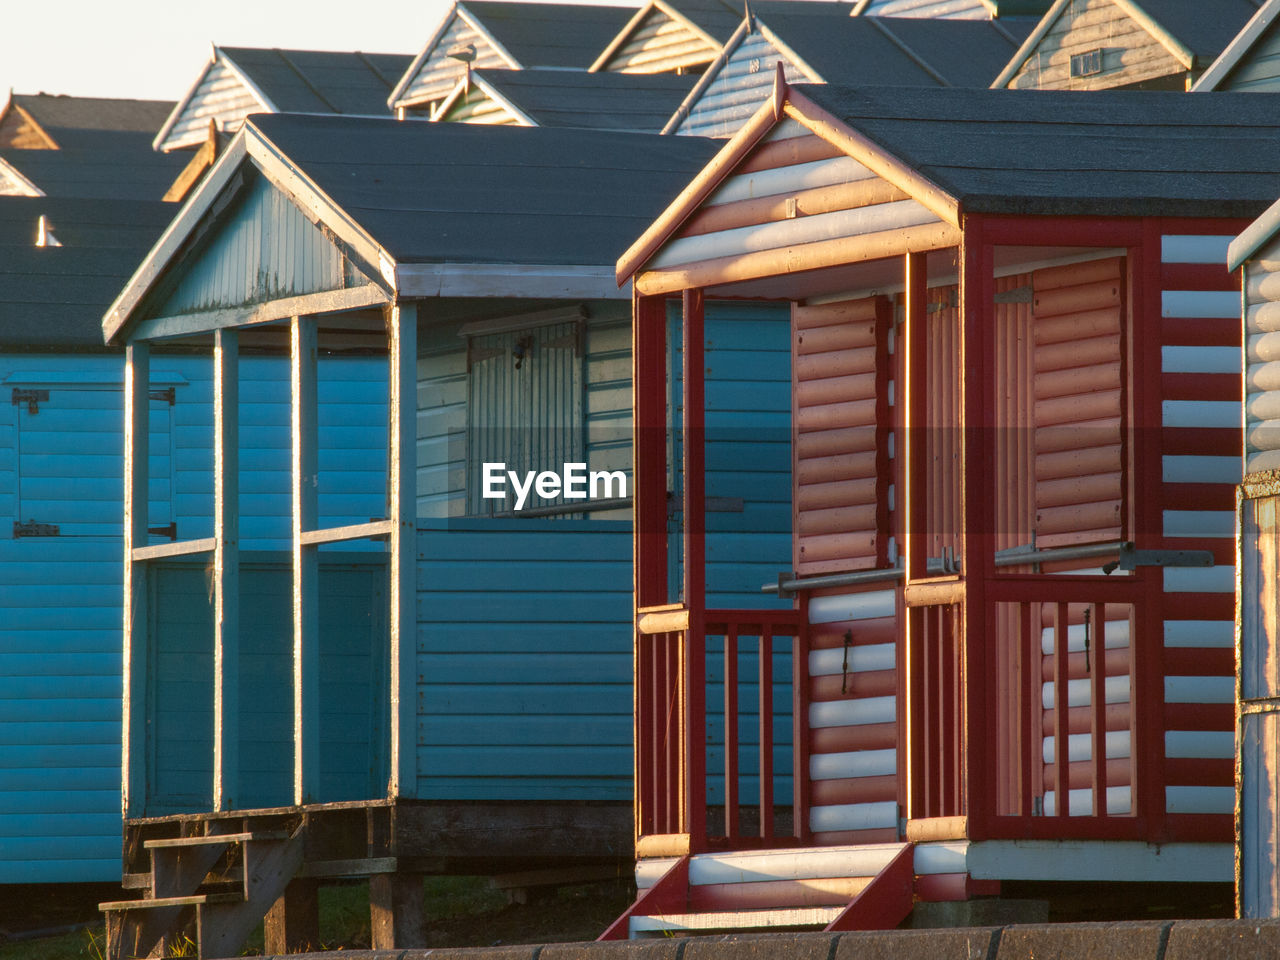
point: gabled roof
(1185, 27)
(121, 166)
(66, 121)
(525, 34)
(1248, 41)
(293, 81)
(434, 209)
(1106, 153)
(817, 38)
(713, 20)
(634, 102)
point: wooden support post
(914, 471)
(226, 568)
(402, 511)
(396, 916)
(306, 563)
(694, 689)
(137, 378)
(292, 925)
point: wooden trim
(15, 174)
(708, 77)
(402, 511)
(840, 251)
(137, 404)
(305, 561)
(200, 161)
(933, 829)
(694, 689)
(1029, 45)
(157, 144)
(1236, 50)
(180, 548)
(938, 594)
(554, 281)
(354, 531)
(1176, 47)
(677, 621)
(394, 100)
(662, 845)
(50, 143)
(308, 304)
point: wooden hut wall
(1259, 68)
(937, 9)
(741, 83)
(476, 106)
(796, 191)
(1129, 52)
(220, 95)
(440, 73)
(1262, 384)
(61, 465)
(661, 44)
(527, 697)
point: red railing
(936, 701)
(671, 726)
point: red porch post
(694, 688)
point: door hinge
(164, 393)
(170, 531)
(32, 398)
(33, 528)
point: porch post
(402, 511)
(977, 433)
(914, 473)
(306, 563)
(226, 568)
(137, 378)
(695, 576)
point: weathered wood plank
(226, 568)
(134, 708)
(402, 472)
(306, 563)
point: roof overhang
(1254, 237)
(215, 55)
(1238, 48)
(602, 61)
(474, 78)
(785, 102)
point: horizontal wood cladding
(220, 96)
(840, 371)
(440, 73)
(1259, 70)
(661, 44)
(1262, 360)
(740, 85)
(1129, 52)
(796, 203)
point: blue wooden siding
(353, 653)
(741, 83)
(264, 249)
(1259, 69)
(60, 633)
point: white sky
(155, 49)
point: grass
(464, 907)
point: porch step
(736, 920)
(160, 903)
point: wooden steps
(857, 887)
(211, 888)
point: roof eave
(620, 38)
(708, 77)
(1029, 45)
(171, 121)
(1254, 236)
(1236, 50)
(1176, 47)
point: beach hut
(1258, 809)
(820, 43)
(670, 36)
(44, 121)
(507, 36)
(456, 697)
(1134, 44)
(1016, 438)
(538, 97)
(1248, 61)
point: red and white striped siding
(1200, 346)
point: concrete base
(986, 912)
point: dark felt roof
(889, 50)
(717, 17)
(131, 224)
(321, 81)
(1203, 28)
(1108, 152)
(550, 34)
(636, 102)
(119, 166)
(54, 297)
(65, 117)
(474, 193)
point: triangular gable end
(14, 184)
(20, 131)
(435, 74)
(257, 248)
(1251, 62)
(802, 192)
(221, 94)
(1097, 45)
(737, 84)
(658, 41)
(475, 103)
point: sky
(155, 49)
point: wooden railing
(673, 812)
(936, 705)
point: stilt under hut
(451, 693)
(1016, 441)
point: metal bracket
(164, 393)
(170, 531)
(1131, 559)
(32, 398)
(33, 528)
